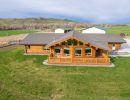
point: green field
(26, 78)
(15, 32)
(113, 30)
(119, 29)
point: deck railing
(89, 61)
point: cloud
(97, 11)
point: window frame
(88, 54)
(57, 48)
(67, 54)
(81, 43)
(78, 55)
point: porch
(86, 61)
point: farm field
(119, 29)
(15, 32)
(26, 78)
(113, 30)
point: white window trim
(57, 48)
(78, 55)
(69, 52)
(90, 54)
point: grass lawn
(26, 78)
(119, 29)
(15, 32)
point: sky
(93, 11)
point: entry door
(113, 46)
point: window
(66, 51)
(72, 42)
(88, 51)
(63, 43)
(78, 51)
(80, 43)
(57, 51)
(75, 42)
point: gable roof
(97, 27)
(49, 39)
(40, 38)
(102, 28)
(82, 38)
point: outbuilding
(94, 30)
(62, 30)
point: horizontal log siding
(36, 49)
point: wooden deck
(89, 61)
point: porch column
(25, 49)
(62, 51)
(72, 53)
(83, 51)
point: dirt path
(8, 40)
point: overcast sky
(95, 11)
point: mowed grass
(119, 29)
(15, 32)
(26, 78)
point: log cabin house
(73, 47)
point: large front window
(66, 51)
(78, 51)
(88, 51)
(57, 51)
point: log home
(73, 47)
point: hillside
(27, 21)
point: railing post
(59, 60)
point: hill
(34, 23)
(27, 21)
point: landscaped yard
(15, 32)
(26, 78)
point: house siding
(36, 49)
